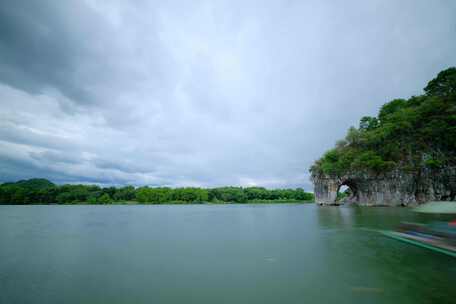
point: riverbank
(251, 202)
(42, 191)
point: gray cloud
(203, 93)
(40, 45)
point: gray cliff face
(392, 189)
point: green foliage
(389, 108)
(104, 199)
(353, 136)
(342, 195)
(92, 200)
(368, 123)
(24, 192)
(443, 85)
(402, 133)
(371, 161)
(35, 184)
(433, 163)
(124, 194)
(229, 194)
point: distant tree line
(42, 191)
(410, 134)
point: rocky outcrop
(395, 188)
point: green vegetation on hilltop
(408, 134)
(42, 191)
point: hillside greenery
(42, 191)
(410, 134)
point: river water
(215, 254)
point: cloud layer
(203, 93)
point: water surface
(215, 254)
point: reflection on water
(215, 254)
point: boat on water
(422, 242)
(436, 236)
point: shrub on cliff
(414, 133)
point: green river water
(290, 253)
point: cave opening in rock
(347, 192)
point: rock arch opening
(347, 192)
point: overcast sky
(203, 93)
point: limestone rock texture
(395, 188)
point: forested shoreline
(42, 191)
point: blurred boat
(436, 236)
(421, 242)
